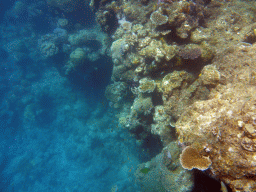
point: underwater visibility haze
(127, 96)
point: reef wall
(184, 71)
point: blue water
(57, 131)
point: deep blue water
(64, 140)
(57, 131)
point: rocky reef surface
(184, 72)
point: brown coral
(158, 19)
(210, 75)
(190, 159)
(190, 53)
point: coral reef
(184, 74)
(190, 53)
(222, 127)
(146, 85)
(50, 44)
(93, 41)
(48, 49)
(190, 73)
(164, 172)
(116, 93)
(157, 18)
(86, 44)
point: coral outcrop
(222, 127)
(189, 71)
